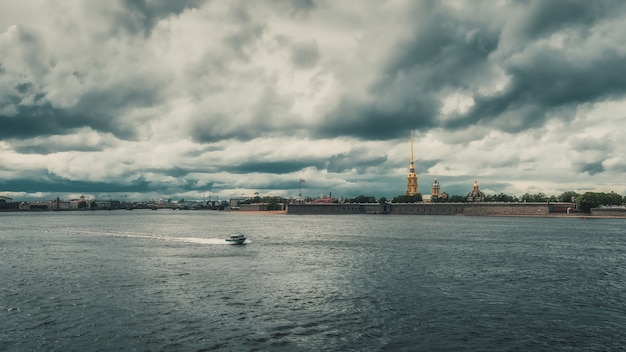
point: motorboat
(236, 238)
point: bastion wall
(617, 212)
(476, 209)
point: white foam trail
(198, 240)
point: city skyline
(153, 99)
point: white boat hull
(236, 239)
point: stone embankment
(475, 209)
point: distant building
(475, 195)
(7, 203)
(436, 190)
(436, 195)
(235, 203)
(324, 200)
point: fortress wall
(253, 207)
(475, 209)
(320, 209)
(507, 209)
(563, 208)
(617, 212)
(427, 208)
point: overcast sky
(195, 99)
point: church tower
(475, 195)
(436, 190)
(411, 183)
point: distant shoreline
(284, 212)
(574, 216)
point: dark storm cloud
(448, 52)
(338, 163)
(27, 111)
(439, 55)
(353, 160)
(107, 110)
(379, 120)
(590, 168)
(33, 121)
(547, 17)
(101, 110)
(44, 182)
(443, 51)
(271, 167)
(47, 147)
(548, 82)
(140, 16)
(552, 78)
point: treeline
(584, 202)
(273, 203)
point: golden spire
(411, 184)
(412, 147)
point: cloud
(304, 54)
(590, 168)
(140, 16)
(227, 97)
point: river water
(167, 281)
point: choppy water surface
(167, 281)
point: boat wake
(197, 240)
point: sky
(159, 99)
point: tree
(539, 197)
(456, 199)
(569, 196)
(273, 204)
(407, 199)
(362, 199)
(501, 198)
(588, 200)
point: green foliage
(382, 200)
(407, 199)
(501, 198)
(569, 196)
(588, 200)
(362, 199)
(539, 197)
(274, 204)
(456, 199)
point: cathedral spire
(411, 184)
